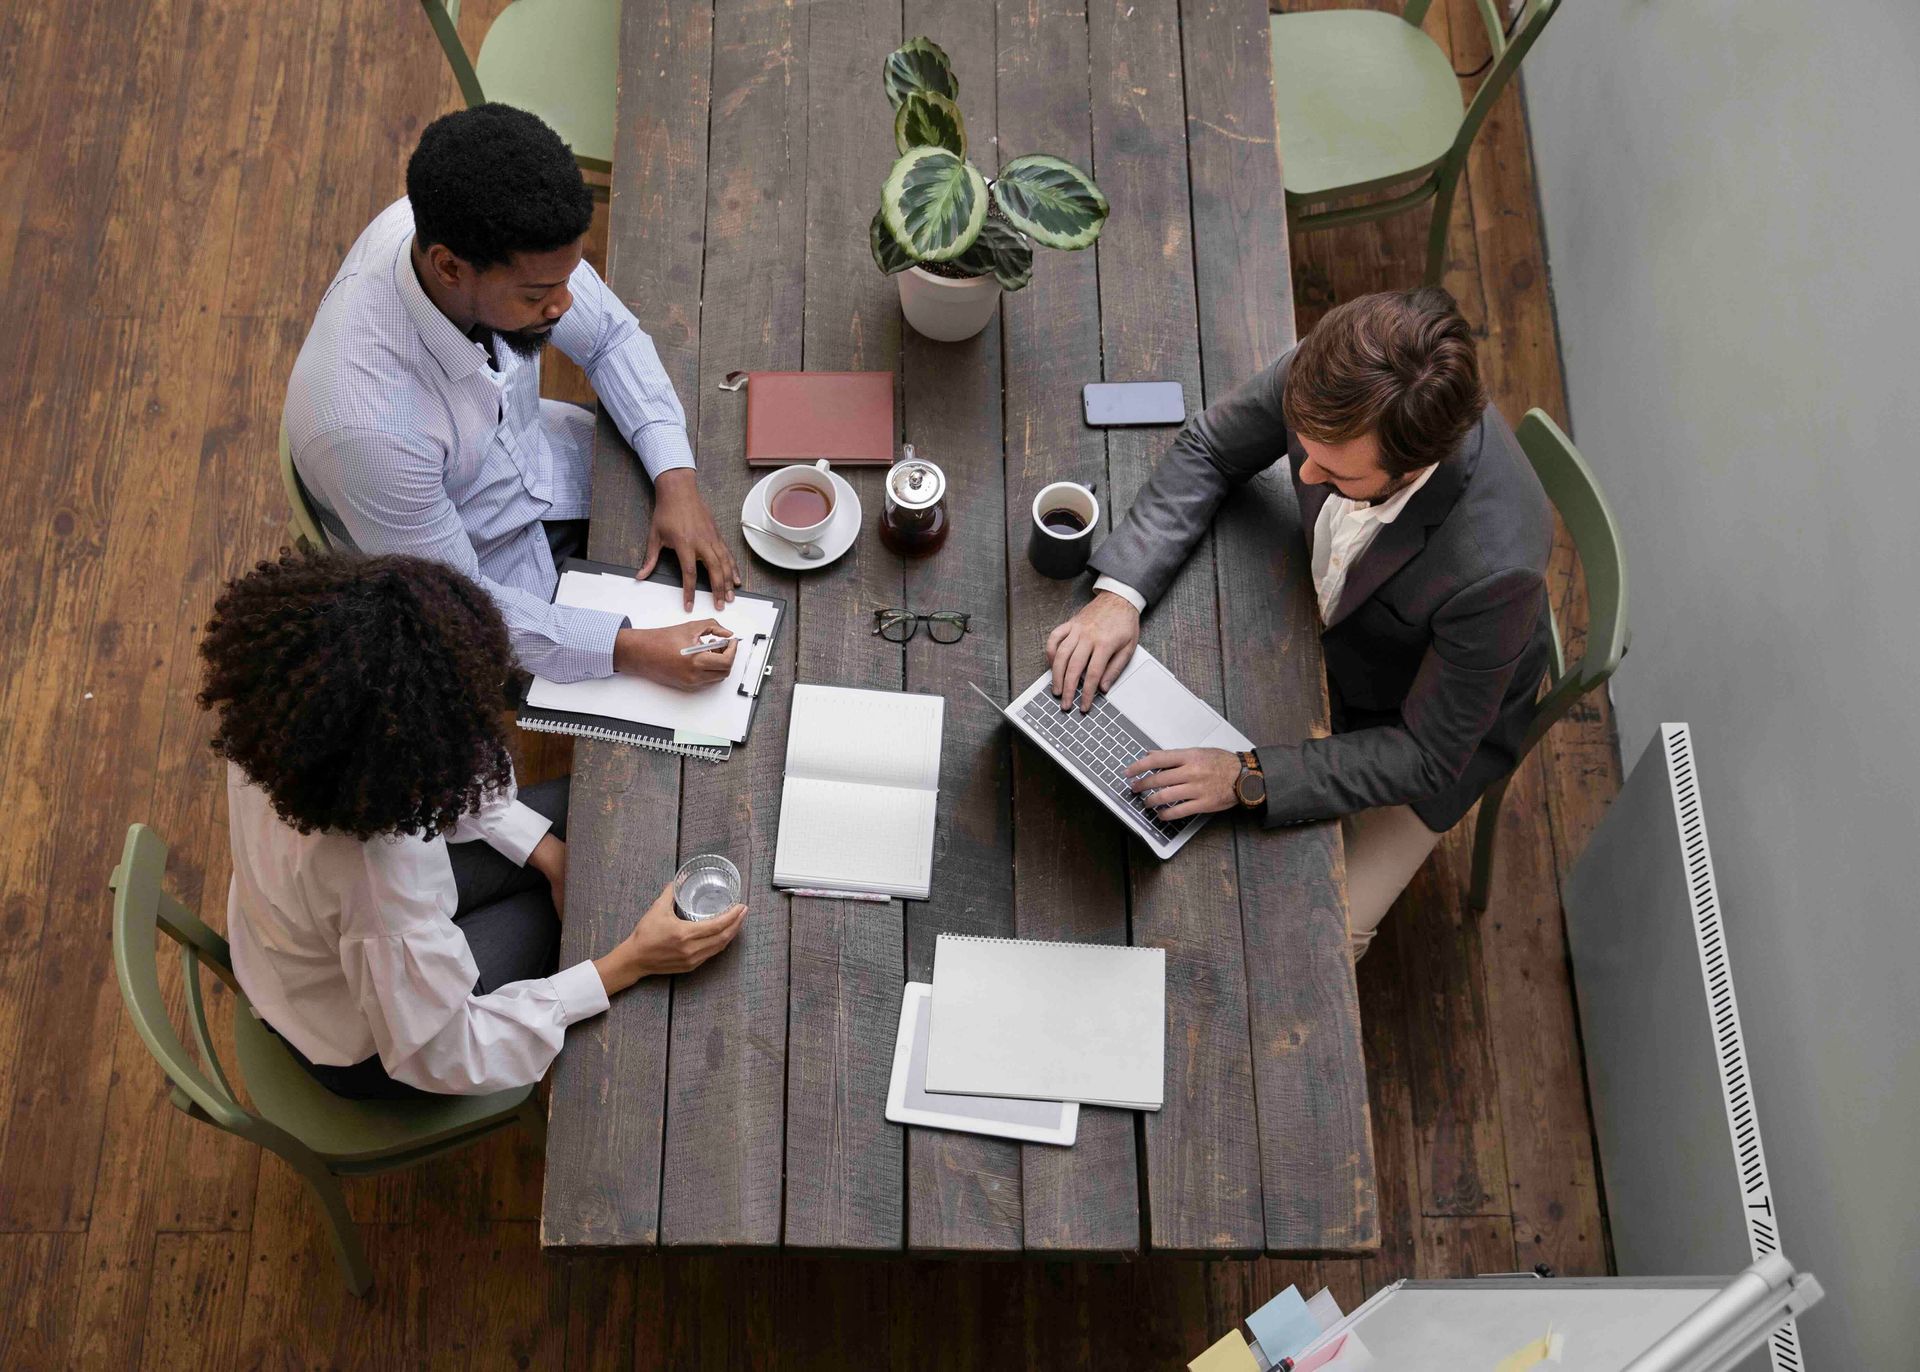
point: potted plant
(951, 238)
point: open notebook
(625, 709)
(863, 779)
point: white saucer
(834, 540)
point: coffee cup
(1065, 516)
(800, 501)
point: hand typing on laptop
(1180, 782)
(1089, 651)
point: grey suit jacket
(1440, 640)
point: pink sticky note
(1320, 1356)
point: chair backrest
(1509, 47)
(141, 912)
(444, 15)
(1570, 485)
(305, 519)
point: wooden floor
(178, 181)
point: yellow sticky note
(1231, 1354)
(1542, 1349)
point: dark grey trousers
(507, 915)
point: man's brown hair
(1400, 364)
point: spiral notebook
(625, 709)
(1032, 1020)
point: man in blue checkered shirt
(414, 411)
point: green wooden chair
(1366, 101)
(322, 1135)
(1596, 540)
(304, 530)
(554, 58)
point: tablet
(909, 1101)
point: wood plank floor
(176, 188)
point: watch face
(1252, 788)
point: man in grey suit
(1429, 537)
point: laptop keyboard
(1099, 745)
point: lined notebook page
(845, 836)
(881, 738)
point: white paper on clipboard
(721, 710)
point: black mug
(1065, 516)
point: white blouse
(349, 948)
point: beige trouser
(1385, 847)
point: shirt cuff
(1121, 589)
(517, 832)
(582, 994)
(663, 447)
(591, 634)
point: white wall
(1732, 201)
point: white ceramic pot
(945, 309)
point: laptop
(1147, 708)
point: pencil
(869, 896)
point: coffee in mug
(1065, 515)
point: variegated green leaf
(888, 255)
(1051, 201)
(1001, 250)
(919, 65)
(934, 204)
(927, 120)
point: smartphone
(1117, 403)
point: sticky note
(1349, 1355)
(1323, 1356)
(1231, 1354)
(1284, 1325)
(1324, 1309)
(1546, 1348)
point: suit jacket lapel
(1397, 544)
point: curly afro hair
(492, 181)
(364, 695)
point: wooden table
(743, 1104)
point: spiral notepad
(623, 709)
(1032, 1020)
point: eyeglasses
(943, 626)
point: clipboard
(659, 738)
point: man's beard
(526, 343)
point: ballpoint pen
(712, 645)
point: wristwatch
(1250, 787)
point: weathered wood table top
(744, 1104)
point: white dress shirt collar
(1343, 532)
(1389, 509)
(458, 355)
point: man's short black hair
(493, 181)
(362, 694)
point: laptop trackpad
(1163, 709)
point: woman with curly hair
(394, 912)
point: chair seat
(352, 1130)
(1363, 99)
(557, 59)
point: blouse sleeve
(504, 824)
(415, 982)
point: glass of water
(706, 886)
